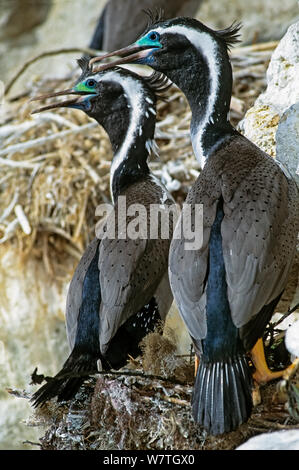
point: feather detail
(152, 148)
(83, 63)
(230, 35)
(159, 83)
(222, 394)
(67, 382)
(154, 15)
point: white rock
(287, 140)
(261, 121)
(279, 440)
(292, 339)
(259, 125)
(283, 73)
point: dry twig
(66, 50)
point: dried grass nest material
(148, 408)
(54, 166)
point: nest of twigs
(55, 165)
(147, 406)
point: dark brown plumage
(120, 290)
(228, 289)
(130, 270)
(258, 231)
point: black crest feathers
(154, 16)
(230, 35)
(83, 63)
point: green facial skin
(83, 87)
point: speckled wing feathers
(130, 270)
(259, 229)
(259, 232)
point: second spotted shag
(228, 289)
(120, 290)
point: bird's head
(97, 94)
(171, 46)
(101, 94)
(118, 99)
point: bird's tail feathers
(222, 397)
(68, 381)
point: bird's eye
(154, 36)
(91, 83)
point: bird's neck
(131, 135)
(208, 93)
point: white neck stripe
(133, 92)
(207, 46)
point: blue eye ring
(153, 36)
(91, 83)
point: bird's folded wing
(130, 272)
(259, 233)
(188, 268)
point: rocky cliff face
(32, 333)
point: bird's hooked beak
(133, 54)
(80, 101)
